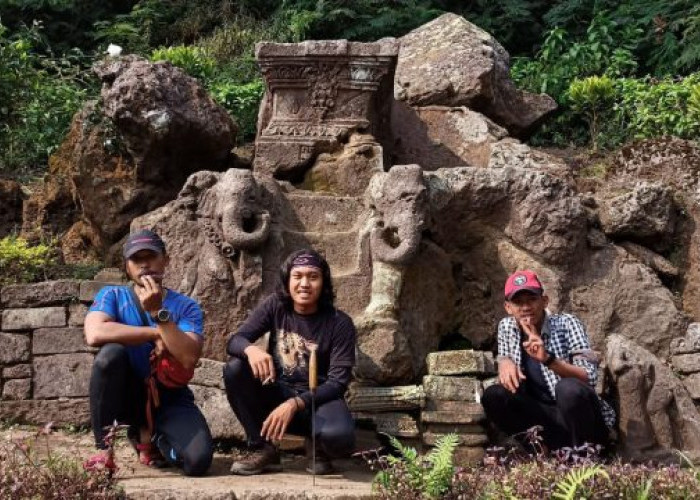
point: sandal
(150, 456)
(100, 462)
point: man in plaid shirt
(546, 372)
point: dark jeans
(116, 393)
(252, 402)
(573, 419)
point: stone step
(311, 212)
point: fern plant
(430, 475)
(566, 488)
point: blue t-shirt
(117, 303)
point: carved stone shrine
(318, 93)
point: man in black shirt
(269, 389)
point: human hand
(159, 346)
(150, 293)
(261, 364)
(509, 374)
(276, 423)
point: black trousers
(252, 402)
(116, 393)
(573, 419)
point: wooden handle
(313, 370)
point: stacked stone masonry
(453, 389)
(45, 364)
(685, 359)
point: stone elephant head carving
(399, 200)
(232, 206)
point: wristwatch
(162, 316)
(550, 359)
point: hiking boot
(323, 463)
(257, 461)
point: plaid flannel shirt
(564, 336)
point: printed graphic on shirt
(292, 352)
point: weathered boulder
(451, 62)
(127, 155)
(216, 410)
(656, 413)
(442, 136)
(646, 214)
(614, 293)
(11, 198)
(169, 124)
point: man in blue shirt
(117, 385)
(546, 372)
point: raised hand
(150, 293)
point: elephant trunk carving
(244, 228)
(395, 245)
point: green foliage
(38, 97)
(22, 263)
(193, 60)
(606, 48)
(591, 97)
(567, 488)
(242, 102)
(429, 475)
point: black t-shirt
(535, 383)
(291, 335)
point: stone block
(430, 438)
(686, 363)
(88, 289)
(29, 319)
(14, 348)
(406, 397)
(47, 293)
(692, 383)
(17, 389)
(209, 373)
(454, 428)
(40, 412)
(62, 375)
(217, 412)
(463, 362)
(689, 343)
(451, 388)
(468, 455)
(59, 341)
(17, 371)
(397, 424)
(469, 413)
(76, 314)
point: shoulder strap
(139, 307)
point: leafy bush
(38, 97)
(22, 263)
(242, 102)
(591, 97)
(192, 59)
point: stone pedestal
(318, 92)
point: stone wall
(45, 364)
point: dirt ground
(352, 481)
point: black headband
(306, 260)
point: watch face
(163, 316)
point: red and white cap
(523, 280)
